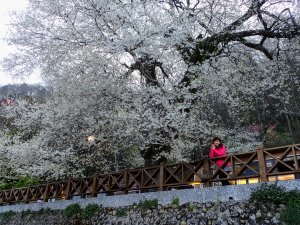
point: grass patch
(175, 201)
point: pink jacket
(218, 152)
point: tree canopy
(159, 76)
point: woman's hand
(213, 146)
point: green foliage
(7, 215)
(19, 182)
(44, 211)
(148, 204)
(216, 205)
(275, 194)
(175, 201)
(90, 210)
(269, 193)
(203, 51)
(274, 139)
(192, 207)
(130, 157)
(121, 212)
(72, 210)
(26, 213)
(291, 216)
(293, 196)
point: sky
(5, 7)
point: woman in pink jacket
(217, 149)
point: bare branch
(260, 18)
(253, 9)
(258, 47)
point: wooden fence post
(45, 197)
(207, 172)
(26, 195)
(295, 158)
(94, 186)
(161, 177)
(262, 165)
(126, 181)
(68, 188)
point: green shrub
(19, 182)
(293, 196)
(269, 193)
(26, 181)
(148, 204)
(121, 212)
(291, 216)
(26, 213)
(72, 210)
(278, 195)
(7, 215)
(90, 210)
(175, 201)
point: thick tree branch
(253, 10)
(280, 33)
(258, 47)
(210, 46)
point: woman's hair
(219, 139)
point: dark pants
(224, 182)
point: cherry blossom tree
(161, 76)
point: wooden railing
(261, 164)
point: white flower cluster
(162, 77)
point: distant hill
(16, 91)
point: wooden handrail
(254, 164)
